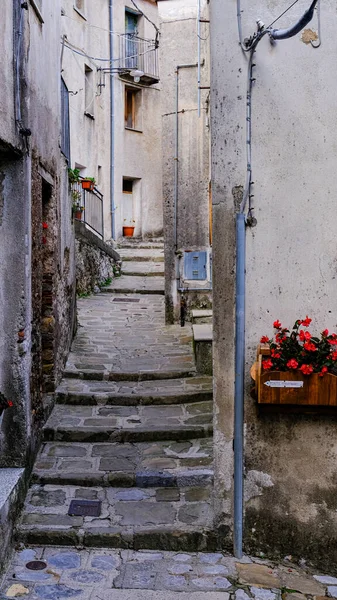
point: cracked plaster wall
(291, 266)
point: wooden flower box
(292, 388)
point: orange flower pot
(78, 214)
(128, 231)
(87, 184)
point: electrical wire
(293, 4)
(319, 42)
(149, 20)
(76, 50)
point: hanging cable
(151, 22)
(281, 15)
(319, 42)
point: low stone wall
(95, 260)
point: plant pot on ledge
(128, 231)
(88, 184)
(78, 212)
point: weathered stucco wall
(291, 267)
(178, 46)
(138, 152)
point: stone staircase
(131, 431)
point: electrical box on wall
(195, 265)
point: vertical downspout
(112, 123)
(239, 381)
(199, 52)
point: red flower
(305, 335)
(292, 363)
(275, 354)
(306, 322)
(10, 403)
(333, 342)
(334, 355)
(309, 346)
(264, 339)
(45, 225)
(279, 338)
(323, 371)
(277, 324)
(267, 364)
(306, 369)
(325, 332)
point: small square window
(90, 92)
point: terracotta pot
(87, 184)
(128, 231)
(78, 214)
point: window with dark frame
(132, 108)
(89, 87)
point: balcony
(137, 54)
(91, 204)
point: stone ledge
(12, 489)
(85, 235)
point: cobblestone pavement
(96, 574)
(118, 337)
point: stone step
(202, 316)
(137, 244)
(142, 255)
(129, 284)
(129, 423)
(159, 464)
(91, 374)
(143, 269)
(129, 393)
(154, 518)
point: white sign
(284, 384)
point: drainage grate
(126, 300)
(36, 565)
(85, 508)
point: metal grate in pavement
(85, 508)
(125, 299)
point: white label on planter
(284, 384)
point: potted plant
(128, 229)
(4, 403)
(74, 176)
(88, 183)
(295, 367)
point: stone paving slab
(171, 391)
(143, 269)
(99, 574)
(126, 339)
(133, 423)
(165, 464)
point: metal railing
(140, 54)
(91, 203)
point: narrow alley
(121, 494)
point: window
(65, 125)
(127, 186)
(132, 108)
(90, 92)
(131, 43)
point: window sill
(79, 13)
(89, 115)
(133, 129)
(37, 11)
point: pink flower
(305, 336)
(267, 364)
(277, 324)
(309, 346)
(264, 339)
(306, 369)
(325, 332)
(292, 363)
(323, 371)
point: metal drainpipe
(176, 157)
(239, 381)
(112, 124)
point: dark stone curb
(103, 434)
(89, 399)
(138, 376)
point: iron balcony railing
(91, 203)
(140, 54)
